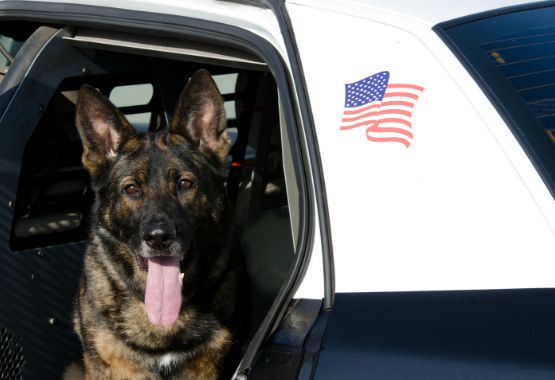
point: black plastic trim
(281, 355)
(500, 107)
(21, 64)
(313, 346)
(493, 13)
(215, 33)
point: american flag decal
(384, 108)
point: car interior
(47, 219)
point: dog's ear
(103, 129)
(200, 117)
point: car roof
(429, 12)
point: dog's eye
(184, 184)
(131, 189)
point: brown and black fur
(118, 340)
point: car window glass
(11, 46)
(514, 55)
(527, 60)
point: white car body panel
(462, 207)
(478, 217)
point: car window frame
(291, 92)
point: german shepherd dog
(164, 289)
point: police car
(393, 173)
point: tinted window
(513, 56)
(527, 60)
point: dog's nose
(159, 235)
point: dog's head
(158, 193)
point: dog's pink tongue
(163, 290)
